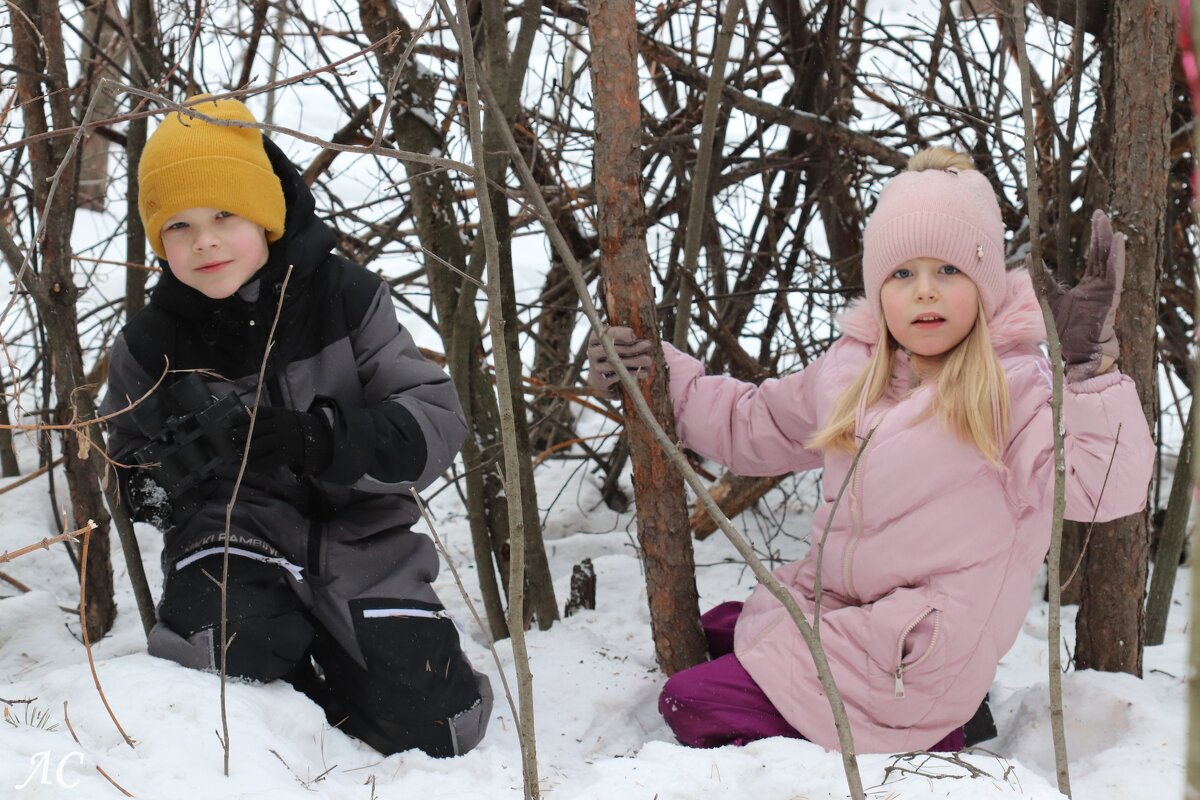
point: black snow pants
(416, 689)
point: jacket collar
(305, 243)
(1017, 323)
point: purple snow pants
(718, 703)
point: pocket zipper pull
(900, 682)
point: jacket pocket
(907, 660)
(906, 682)
(411, 650)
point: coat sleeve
(1108, 449)
(410, 426)
(752, 430)
(127, 383)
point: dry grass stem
(87, 644)
(70, 727)
(108, 777)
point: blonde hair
(971, 397)
(939, 158)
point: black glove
(283, 437)
(147, 500)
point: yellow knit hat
(191, 163)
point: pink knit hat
(947, 214)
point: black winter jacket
(339, 350)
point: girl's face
(929, 306)
(213, 251)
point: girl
(932, 553)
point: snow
(599, 735)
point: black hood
(305, 244)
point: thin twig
(698, 203)
(1054, 565)
(487, 633)
(237, 485)
(389, 96)
(44, 544)
(1095, 511)
(87, 643)
(511, 476)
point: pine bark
(662, 517)
(1109, 628)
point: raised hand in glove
(634, 353)
(299, 440)
(1084, 315)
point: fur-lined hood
(1017, 322)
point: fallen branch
(37, 473)
(16, 584)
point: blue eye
(175, 226)
(224, 214)
(950, 269)
(902, 273)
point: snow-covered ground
(599, 735)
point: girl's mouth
(213, 267)
(928, 321)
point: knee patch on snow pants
(267, 626)
(417, 690)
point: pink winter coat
(931, 557)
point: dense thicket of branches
(821, 101)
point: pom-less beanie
(192, 163)
(945, 214)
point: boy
(323, 564)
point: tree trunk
(507, 78)
(147, 67)
(432, 201)
(662, 517)
(9, 468)
(1109, 630)
(53, 287)
(93, 163)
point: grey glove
(1084, 315)
(634, 353)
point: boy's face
(213, 251)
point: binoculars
(191, 436)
